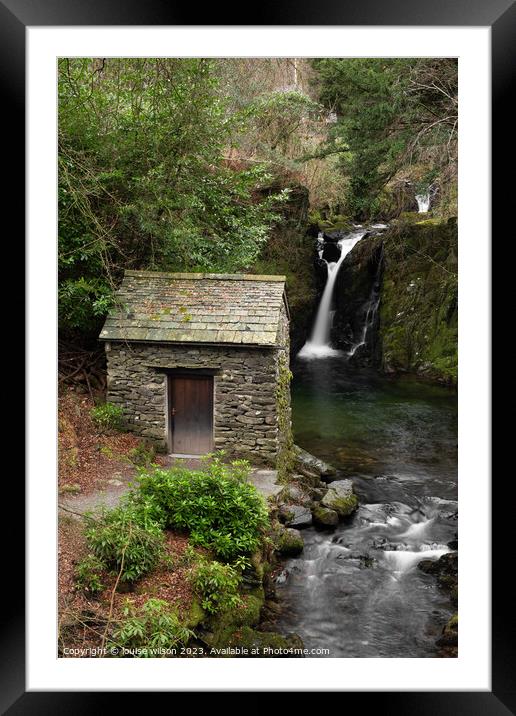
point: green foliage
(217, 585)
(88, 574)
(277, 118)
(143, 454)
(150, 630)
(143, 182)
(107, 416)
(392, 114)
(285, 463)
(221, 511)
(125, 540)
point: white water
(369, 320)
(423, 202)
(318, 346)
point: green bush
(221, 511)
(125, 539)
(143, 454)
(88, 574)
(149, 629)
(217, 585)
(107, 416)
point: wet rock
(308, 463)
(454, 543)
(331, 252)
(446, 570)
(294, 493)
(449, 638)
(357, 293)
(324, 516)
(296, 516)
(341, 498)
(289, 542)
(317, 493)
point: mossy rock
(266, 644)
(220, 627)
(340, 498)
(311, 466)
(255, 573)
(418, 310)
(288, 542)
(196, 615)
(450, 635)
(325, 516)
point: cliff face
(418, 307)
(357, 292)
(396, 300)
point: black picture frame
(500, 15)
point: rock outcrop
(340, 498)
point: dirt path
(119, 484)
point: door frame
(169, 424)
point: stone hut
(200, 362)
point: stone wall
(246, 420)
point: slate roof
(239, 309)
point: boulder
(331, 252)
(220, 627)
(308, 463)
(295, 493)
(289, 542)
(296, 516)
(325, 516)
(317, 493)
(445, 569)
(450, 633)
(341, 498)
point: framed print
(259, 352)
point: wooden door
(190, 407)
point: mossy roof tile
(196, 308)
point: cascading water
(358, 591)
(423, 202)
(318, 346)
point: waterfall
(320, 244)
(319, 344)
(423, 202)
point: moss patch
(220, 628)
(286, 455)
(418, 309)
(266, 644)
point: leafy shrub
(217, 585)
(123, 539)
(152, 627)
(143, 454)
(222, 511)
(88, 574)
(107, 416)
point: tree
(143, 182)
(392, 114)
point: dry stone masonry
(159, 330)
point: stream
(357, 591)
